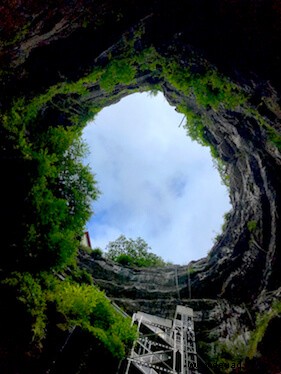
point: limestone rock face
(43, 45)
(158, 291)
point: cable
(181, 121)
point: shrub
(31, 294)
(87, 307)
(80, 305)
(96, 253)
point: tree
(127, 251)
(56, 200)
(61, 195)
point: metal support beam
(164, 345)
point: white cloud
(156, 183)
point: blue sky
(156, 183)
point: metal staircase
(164, 345)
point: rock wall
(46, 44)
(158, 291)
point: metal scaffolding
(164, 345)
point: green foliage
(194, 126)
(191, 269)
(125, 259)
(87, 307)
(85, 248)
(80, 305)
(222, 170)
(79, 275)
(252, 225)
(212, 89)
(197, 130)
(76, 302)
(96, 253)
(227, 356)
(154, 92)
(148, 60)
(178, 76)
(117, 72)
(60, 193)
(274, 137)
(61, 188)
(132, 252)
(262, 322)
(30, 293)
(226, 218)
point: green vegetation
(272, 134)
(229, 356)
(57, 205)
(209, 88)
(59, 197)
(226, 218)
(262, 322)
(117, 71)
(225, 353)
(222, 170)
(132, 252)
(44, 133)
(96, 253)
(191, 270)
(274, 137)
(197, 130)
(80, 305)
(252, 226)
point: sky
(156, 182)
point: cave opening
(219, 113)
(218, 64)
(155, 182)
(53, 119)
